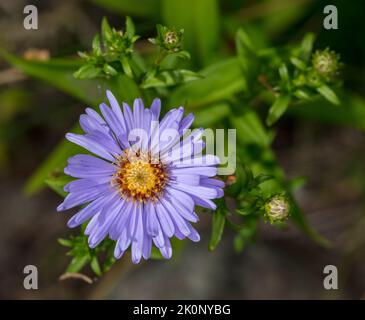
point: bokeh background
(34, 117)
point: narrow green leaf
(307, 46)
(126, 66)
(302, 94)
(328, 94)
(130, 29)
(250, 129)
(239, 243)
(109, 70)
(284, 73)
(106, 31)
(87, 71)
(77, 263)
(57, 183)
(298, 63)
(278, 108)
(95, 266)
(247, 56)
(65, 242)
(96, 44)
(219, 219)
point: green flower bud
(168, 39)
(327, 64)
(277, 208)
(171, 38)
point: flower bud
(172, 40)
(168, 39)
(277, 208)
(327, 64)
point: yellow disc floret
(139, 178)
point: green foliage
(220, 80)
(218, 222)
(82, 254)
(110, 53)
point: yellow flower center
(139, 178)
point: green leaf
(306, 46)
(109, 70)
(219, 219)
(77, 263)
(328, 94)
(57, 183)
(280, 105)
(247, 56)
(200, 21)
(298, 63)
(65, 242)
(221, 80)
(106, 31)
(239, 243)
(126, 66)
(95, 266)
(96, 44)
(130, 29)
(302, 94)
(250, 129)
(87, 71)
(284, 73)
(170, 78)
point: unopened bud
(326, 63)
(172, 40)
(277, 208)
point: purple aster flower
(142, 183)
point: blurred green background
(322, 142)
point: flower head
(144, 180)
(277, 208)
(168, 39)
(327, 64)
